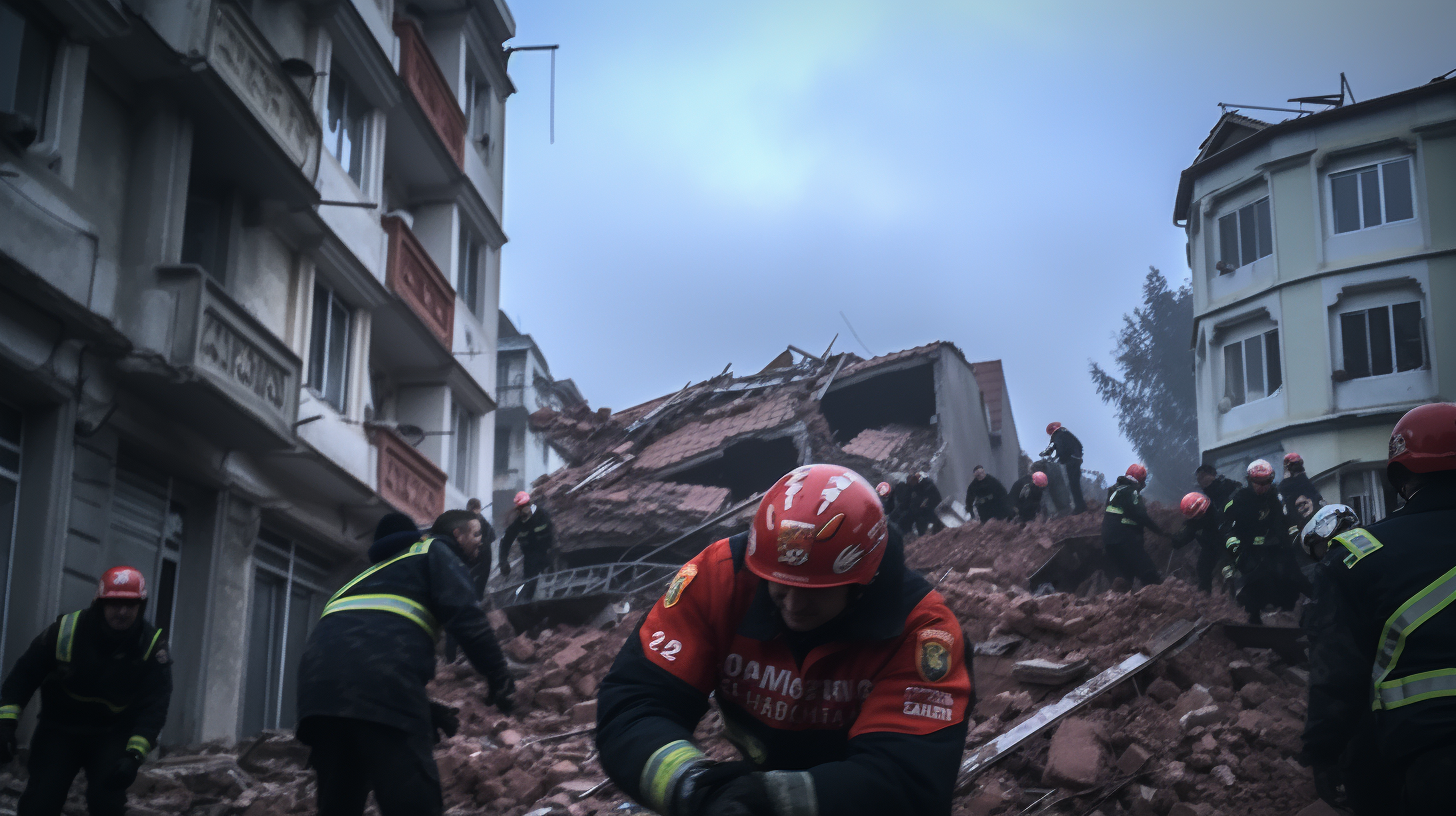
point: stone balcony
(427, 83)
(413, 276)
(407, 479)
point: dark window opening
(745, 467)
(904, 397)
(27, 54)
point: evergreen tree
(1155, 397)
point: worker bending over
(986, 497)
(1123, 521)
(532, 525)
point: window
(1382, 340)
(205, 231)
(27, 55)
(10, 424)
(463, 462)
(478, 110)
(1368, 493)
(502, 450)
(1245, 236)
(345, 124)
(1251, 368)
(1371, 196)
(467, 280)
(328, 363)
(289, 592)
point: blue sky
(728, 177)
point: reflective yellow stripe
(1360, 544)
(397, 604)
(152, 645)
(1420, 608)
(1133, 522)
(1117, 510)
(140, 745)
(662, 770)
(66, 637)
(9, 712)
(418, 548)
(114, 707)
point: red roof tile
(991, 379)
(697, 438)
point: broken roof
(992, 381)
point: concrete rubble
(1208, 730)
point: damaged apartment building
(662, 479)
(248, 304)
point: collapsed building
(664, 478)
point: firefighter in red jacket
(840, 674)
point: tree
(1155, 399)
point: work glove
(126, 769)
(1329, 785)
(7, 740)
(776, 793)
(444, 718)
(697, 788)
(501, 689)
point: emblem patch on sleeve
(933, 653)
(679, 583)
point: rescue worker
(924, 499)
(1201, 525)
(480, 567)
(986, 497)
(1257, 536)
(899, 506)
(1382, 690)
(394, 533)
(105, 680)
(1217, 487)
(362, 705)
(887, 497)
(532, 525)
(1301, 498)
(840, 674)
(1026, 493)
(1068, 449)
(1123, 521)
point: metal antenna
(552, 49)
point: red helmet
(883, 488)
(1194, 505)
(523, 499)
(122, 583)
(1424, 440)
(818, 526)
(1293, 458)
(1260, 473)
(1053, 427)
(1137, 473)
(1039, 479)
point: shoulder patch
(1360, 543)
(163, 658)
(933, 653)
(679, 583)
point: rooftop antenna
(552, 49)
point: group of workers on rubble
(840, 674)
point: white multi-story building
(1323, 252)
(249, 273)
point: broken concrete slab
(1078, 754)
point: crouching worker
(840, 674)
(105, 679)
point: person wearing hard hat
(1123, 521)
(1201, 524)
(840, 674)
(105, 680)
(1382, 688)
(1068, 449)
(1026, 494)
(986, 497)
(1256, 534)
(532, 525)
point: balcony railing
(425, 80)
(407, 478)
(418, 281)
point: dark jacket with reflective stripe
(1250, 516)
(113, 680)
(1346, 621)
(373, 664)
(1125, 515)
(536, 533)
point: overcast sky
(728, 177)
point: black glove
(501, 690)
(1329, 785)
(745, 796)
(699, 787)
(444, 718)
(7, 740)
(126, 769)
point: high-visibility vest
(65, 648)
(398, 604)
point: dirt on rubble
(1209, 729)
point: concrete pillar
(224, 650)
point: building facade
(248, 284)
(525, 385)
(1323, 257)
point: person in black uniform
(1026, 494)
(1257, 535)
(1123, 521)
(105, 679)
(1301, 498)
(1217, 487)
(1382, 685)
(1201, 525)
(481, 566)
(986, 497)
(362, 705)
(532, 525)
(924, 499)
(1068, 449)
